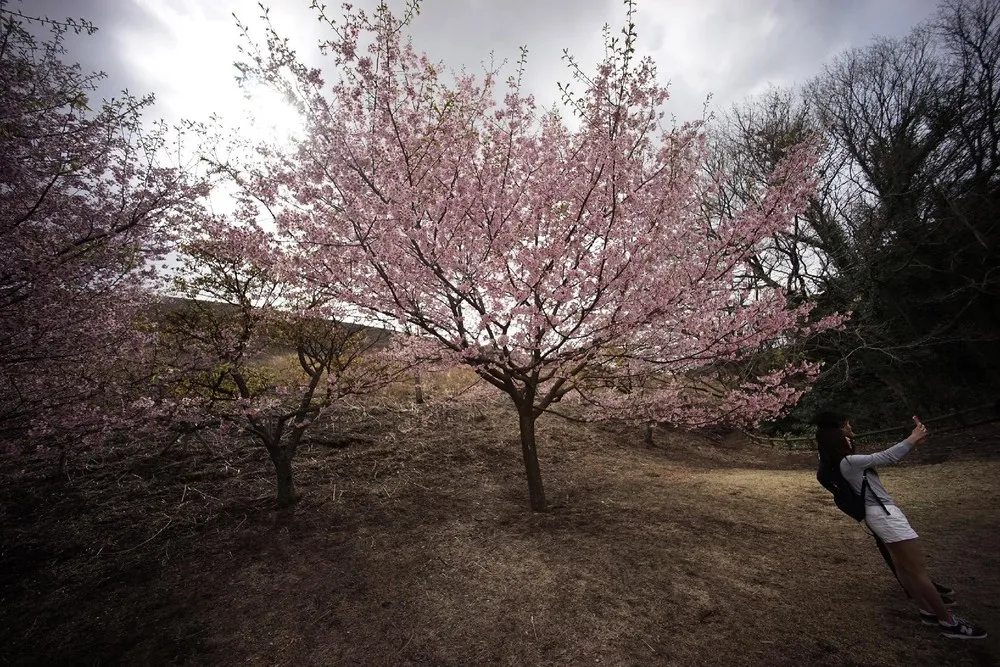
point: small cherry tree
(85, 206)
(540, 251)
(243, 347)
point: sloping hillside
(413, 545)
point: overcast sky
(182, 50)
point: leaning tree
(546, 252)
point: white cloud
(188, 61)
(728, 48)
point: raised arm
(886, 457)
(889, 456)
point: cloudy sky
(183, 50)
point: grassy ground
(413, 545)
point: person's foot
(943, 590)
(961, 629)
(928, 617)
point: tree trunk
(282, 460)
(647, 436)
(536, 491)
(418, 391)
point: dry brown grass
(413, 545)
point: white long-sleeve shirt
(853, 467)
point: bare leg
(909, 561)
(888, 561)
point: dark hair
(829, 419)
(833, 445)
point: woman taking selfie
(889, 524)
(830, 426)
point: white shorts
(891, 527)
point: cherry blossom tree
(549, 253)
(246, 349)
(86, 204)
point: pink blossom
(552, 258)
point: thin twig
(170, 520)
(565, 416)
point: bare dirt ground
(413, 545)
